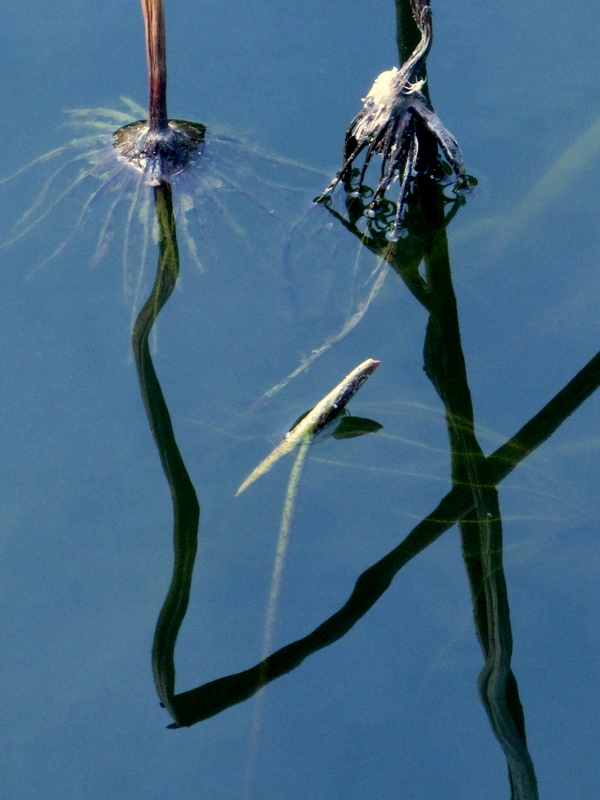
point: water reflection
(198, 704)
(186, 509)
(233, 189)
(480, 527)
(421, 260)
(398, 123)
(472, 503)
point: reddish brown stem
(156, 51)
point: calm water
(392, 709)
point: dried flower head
(398, 122)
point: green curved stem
(186, 509)
(211, 698)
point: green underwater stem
(186, 509)
(283, 541)
(211, 698)
(481, 527)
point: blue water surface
(392, 709)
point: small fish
(325, 410)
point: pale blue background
(391, 710)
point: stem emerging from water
(158, 148)
(156, 51)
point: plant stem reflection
(186, 509)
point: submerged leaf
(349, 427)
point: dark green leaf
(349, 427)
